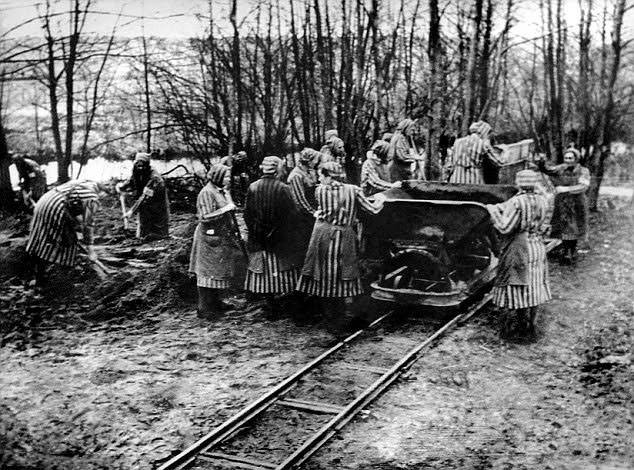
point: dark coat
(271, 219)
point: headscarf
(405, 125)
(381, 150)
(330, 134)
(335, 171)
(79, 193)
(575, 152)
(527, 179)
(481, 128)
(308, 155)
(142, 157)
(217, 174)
(271, 165)
(337, 146)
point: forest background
(87, 78)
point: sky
(164, 18)
(178, 18)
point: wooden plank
(311, 406)
(237, 461)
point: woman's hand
(380, 198)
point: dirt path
(130, 392)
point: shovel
(101, 269)
(126, 222)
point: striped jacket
(331, 267)
(467, 156)
(271, 217)
(303, 191)
(522, 279)
(375, 176)
(52, 237)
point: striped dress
(331, 267)
(274, 252)
(375, 176)
(522, 279)
(52, 237)
(303, 190)
(467, 156)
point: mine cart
(435, 241)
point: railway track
(309, 406)
(302, 399)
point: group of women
(302, 234)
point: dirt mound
(145, 277)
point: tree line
(275, 78)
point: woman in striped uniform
(468, 154)
(331, 267)
(375, 175)
(303, 180)
(216, 258)
(522, 280)
(275, 255)
(57, 216)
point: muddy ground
(122, 374)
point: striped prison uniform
(375, 176)
(303, 190)
(467, 155)
(52, 237)
(524, 218)
(269, 214)
(338, 204)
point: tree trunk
(7, 198)
(69, 71)
(435, 55)
(237, 73)
(146, 93)
(583, 108)
(472, 68)
(51, 84)
(603, 151)
(485, 58)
